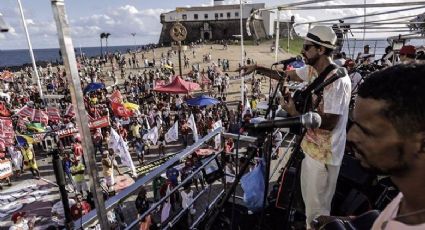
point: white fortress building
(217, 22)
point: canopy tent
(177, 86)
(202, 101)
(93, 87)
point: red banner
(40, 116)
(94, 124)
(7, 134)
(4, 111)
(116, 97)
(26, 112)
(99, 122)
(120, 111)
(53, 113)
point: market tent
(177, 86)
(202, 101)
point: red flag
(70, 112)
(4, 111)
(26, 112)
(53, 113)
(120, 111)
(116, 97)
(40, 116)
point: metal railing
(91, 217)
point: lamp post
(134, 39)
(242, 54)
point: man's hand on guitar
(247, 69)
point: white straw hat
(322, 35)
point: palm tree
(106, 37)
(102, 36)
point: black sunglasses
(306, 47)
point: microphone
(287, 61)
(340, 72)
(309, 120)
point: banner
(152, 135)
(5, 169)
(7, 133)
(99, 122)
(120, 147)
(120, 111)
(217, 138)
(173, 133)
(66, 132)
(4, 111)
(116, 97)
(53, 113)
(26, 112)
(159, 83)
(38, 137)
(192, 125)
(40, 117)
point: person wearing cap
(323, 147)
(407, 54)
(365, 57)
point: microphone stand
(273, 105)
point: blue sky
(121, 18)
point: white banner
(192, 125)
(217, 139)
(173, 133)
(152, 135)
(5, 169)
(120, 147)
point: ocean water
(22, 56)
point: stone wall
(212, 30)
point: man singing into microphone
(323, 147)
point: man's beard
(311, 61)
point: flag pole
(34, 66)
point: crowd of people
(125, 81)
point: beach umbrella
(93, 87)
(132, 106)
(202, 101)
